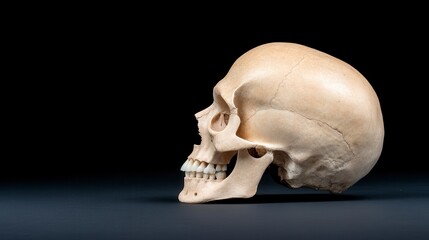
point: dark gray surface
(382, 207)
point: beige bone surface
(311, 115)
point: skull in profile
(311, 116)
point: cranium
(315, 118)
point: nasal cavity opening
(257, 152)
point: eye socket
(220, 121)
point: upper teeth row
(191, 165)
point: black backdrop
(116, 94)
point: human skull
(315, 118)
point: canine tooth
(202, 166)
(210, 169)
(199, 175)
(195, 166)
(212, 177)
(220, 175)
(224, 167)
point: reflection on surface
(147, 208)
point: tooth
(182, 168)
(212, 177)
(192, 174)
(206, 176)
(202, 166)
(224, 167)
(220, 175)
(195, 166)
(189, 165)
(210, 169)
(187, 174)
(218, 167)
(199, 174)
(185, 164)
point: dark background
(114, 93)
(99, 116)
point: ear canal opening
(257, 152)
